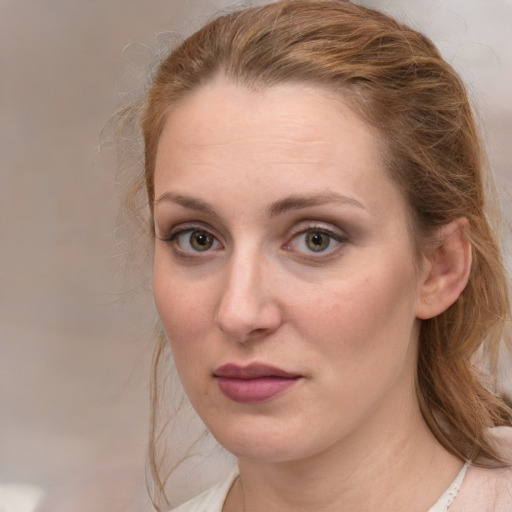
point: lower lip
(254, 391)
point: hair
(397, 81)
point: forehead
(287, 103)
(288, 137)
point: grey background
(75, 320)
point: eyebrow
(277, 208)
(189, 202)
(301, 202)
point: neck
(396, 469)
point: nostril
(245, 321)
(246, 309)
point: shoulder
(485, 490)
(501, 438)
(489, 490)
(211, 500)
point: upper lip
(251, 371)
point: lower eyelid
(174, 241)
(336, 237)
(172, 235)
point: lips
(255, 383)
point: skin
(258, 171)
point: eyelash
(173, 240)
(173, 237)
(313, 230)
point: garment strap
(444, 502)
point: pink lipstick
(255, 383)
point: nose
(248, 307)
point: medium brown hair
(395, 79)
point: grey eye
(195, 240)
(317, 241)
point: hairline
(348, 101)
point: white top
(481, 490)
(211, 500)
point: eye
(194, 241)
(315, 240)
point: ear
(446, 268)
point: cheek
(183, 307)
(362, 319)
(183, 319)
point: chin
(265, 440)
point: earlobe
(446, 270)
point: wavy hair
(395, 79)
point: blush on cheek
(368, 315)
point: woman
(325, 269)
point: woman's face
(284, 273)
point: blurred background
(76, 320)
